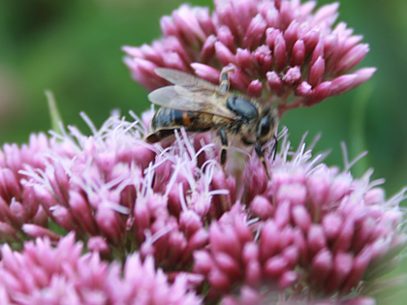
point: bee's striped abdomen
(166, 120)
(166, 117)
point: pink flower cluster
(106, 188)
(43, 274)
(17, 206)
(284, 52)
(311, 232)
(309, 224)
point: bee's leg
(260, 153)
(224, 83)
(159, 135)
(224, 140)
(275, 147)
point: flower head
(310, 231)
(121, 192)
(284, 52)
(312, 228)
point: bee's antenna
(260, 153)
(263, 161)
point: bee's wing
(197, 99)
(184, 79)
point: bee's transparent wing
(185, 80)
(199, 100)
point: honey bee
(199, 106)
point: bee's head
(266, 125)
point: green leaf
(56, 120)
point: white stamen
(89, 122)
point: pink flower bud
(255, 32)
(255, 88)
(206, 72)
(224, 55)
(261, 207)
(317, 72)
(298, 53)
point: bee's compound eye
(263, 127)
(243, 107)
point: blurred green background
(74, 49)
